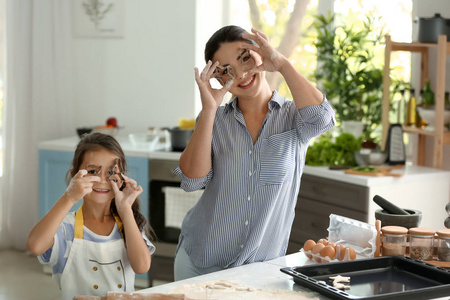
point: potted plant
(348, 70)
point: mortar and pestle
(392, 215)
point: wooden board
(380, 171)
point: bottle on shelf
(428, 95)
(419, 121)
(411, 114)
(400, 107)
(447, 99)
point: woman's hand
(80, 185)
(273, 60)
(211, 98)
(124, 199)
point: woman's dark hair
(97, 141)
(227, 34)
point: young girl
(101, 246)
(249, 155)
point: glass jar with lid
(393, 240)
(421, 243)
(443, 252)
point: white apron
(95, 268)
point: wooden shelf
(440, 136)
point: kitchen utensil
(431, 28)
(388, 277)
(411, 220)
(179, 138)
(84, 130)
(395, 147)
(388, 206)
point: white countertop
(410, 174)
(70, 143)
(261, 275)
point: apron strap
(78, 234)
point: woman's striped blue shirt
(246, 211)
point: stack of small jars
(421, 242)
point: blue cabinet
(53, 167)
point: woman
(249, 155)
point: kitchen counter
(261, 275)
(410, 173)
(70, 143)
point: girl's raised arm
(138, 252)
(41, 237)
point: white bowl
(365, 157)
(145, 140)
(428, 115)
(111, 131)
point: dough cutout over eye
(115, 173)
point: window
(274, 15)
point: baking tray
(389, 277)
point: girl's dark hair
(97, 141)
(227, 34)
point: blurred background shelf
(440, 137)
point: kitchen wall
(427, 9)
(145, 78)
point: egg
(327, 251)
(341, 250)
(332, 244)
(352, 252)
(316, 250)
(323, 241)
(307, 246)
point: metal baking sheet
(390, 277)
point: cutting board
(379, 171)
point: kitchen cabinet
(53, 167)
(324, 191)
(440, 136)
(317, 199)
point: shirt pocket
(278, 158)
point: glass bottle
(419, 121)
(393, 240)
(421, 244)
(411, 109)
(401, 105)
(447, 99)
(428, 95)
(443, 252)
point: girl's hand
(80, 185)
(272, 59)
(124, 199)
(211, 98)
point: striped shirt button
(250, 152)
(249, 173)
(246, 223)
(249, 198)
(242, 246)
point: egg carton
(362, 237)
(320, 259)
